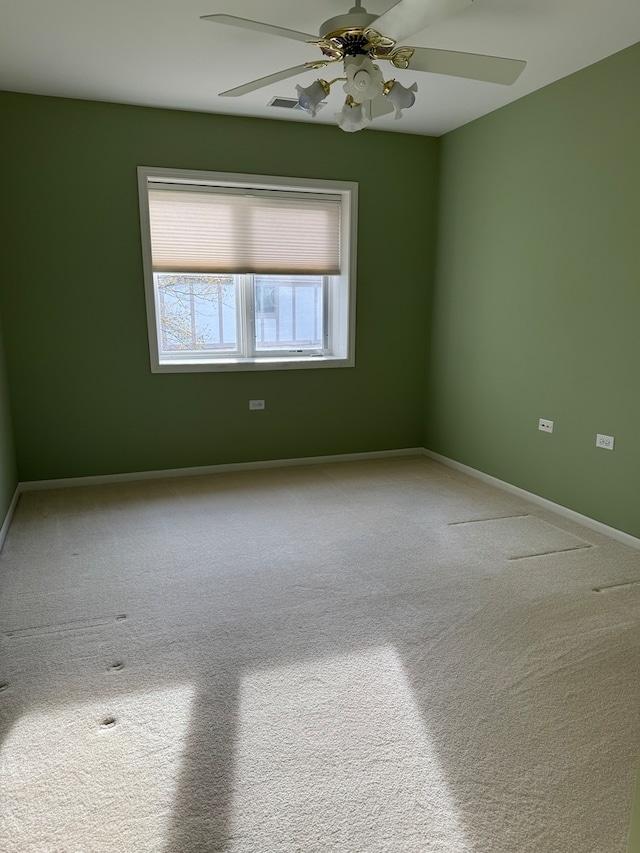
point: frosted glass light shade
(364, 79)
(400, 96)
(355, 117)
(310, 97)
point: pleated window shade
(220, 230)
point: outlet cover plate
(605, 441)
(545, 425)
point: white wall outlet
(254, 405)
(605, 441)
(545, 426)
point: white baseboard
(7, 519)
(598, 526)
(163, 474)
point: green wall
(8, 470)
(534, 311)
(84, 400)
(536, 307)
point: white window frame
(340, 292)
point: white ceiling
(159, 52)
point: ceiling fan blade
(475, 66)
(411, 16)
(246, 24)
(264, 81)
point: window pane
(289, 312)
(197, 313)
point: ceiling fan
(359, 39)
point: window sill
(263, 363)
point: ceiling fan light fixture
(401, 97)
(310, 97)
(353, 116)
(364, 79)
(359, 39)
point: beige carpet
(375, 656)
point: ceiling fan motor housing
(343, 23)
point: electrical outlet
(605, 441)
(545, 426)
(254, 405)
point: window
(244, 272)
